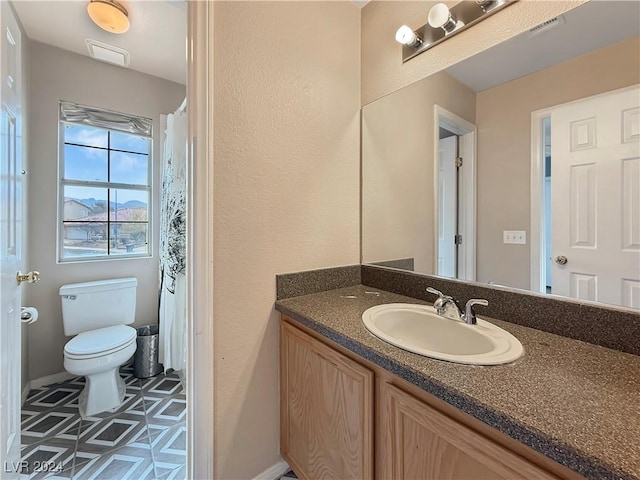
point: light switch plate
(514, 236)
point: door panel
(631, 204)
(10, 242)
(595, 188)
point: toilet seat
(100, 342)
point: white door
(447, 207)
(10, 238)
(595, 178)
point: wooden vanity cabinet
(419, 442)
(326, 404)
(328, 429)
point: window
(105, 184)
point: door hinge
(458, 161)
(457, 239)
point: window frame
(108, 185)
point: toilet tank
(92, 305)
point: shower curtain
(172, 252)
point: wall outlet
(514, 236)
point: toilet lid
(101, 340)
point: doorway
(455, 195)
(199, 442)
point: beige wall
(56, 75)
(286, 197)
(504, 148)
(382, 69)
(398, 168)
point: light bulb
(440, 17)
(406, 36)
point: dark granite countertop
(574, 402)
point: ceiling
(156, 40)
(588, 27)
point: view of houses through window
(105, 183)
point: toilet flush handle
(69, 297)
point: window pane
(130, 168)
(129, 143)
(129, 205)
(129, 238)
(84, 135)
(84, 204)
(85, 163)
(84, 239)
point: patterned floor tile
(35, 391)
(169, 449)
(151, 403)
(116, 444)
(64, 475)
(53, 454)
(156, 430)
(126, 463)
(62, 422)
(176, 474)
(61, 394)
(26, 416)
(168, 411)
(162, 385)
(105, 435)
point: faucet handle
(442, 302)
(469, 314)
(436, 292)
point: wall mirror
(519, 166)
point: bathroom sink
(418, 329)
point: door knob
(561, 260)
(31, 277)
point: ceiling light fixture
(444, 23)
(109, 15)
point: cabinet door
(326, 410)
(419, 442)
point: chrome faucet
(445, 303)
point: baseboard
(25, 392)
(49, 379)
(273, 472)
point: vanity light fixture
(109, 15)
(443, 23)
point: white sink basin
(418, 329)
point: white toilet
(98, 314)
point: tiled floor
(288, 476)
(144, 439)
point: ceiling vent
(108, 53)
(546, 26)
